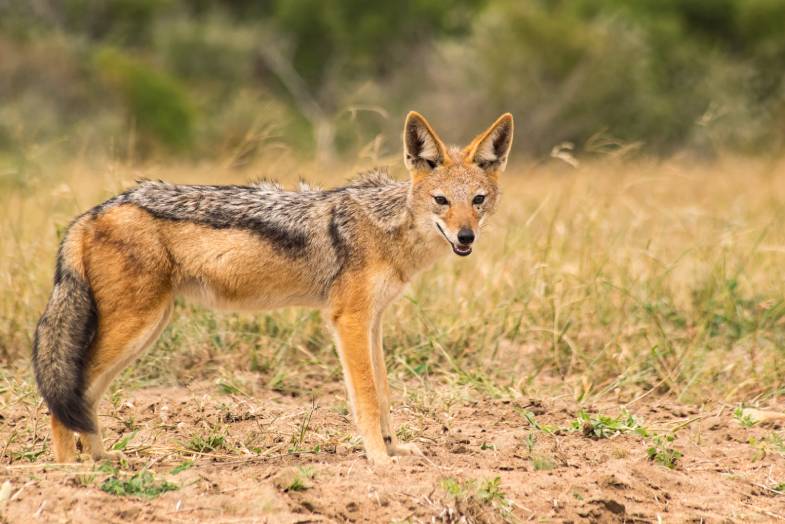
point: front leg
(353, 333)
(394, 447)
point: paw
(379, 458)
(111, 456)
(400, 449)
(66, 457)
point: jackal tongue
(462, 250)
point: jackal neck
(387, 203)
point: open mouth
(461, 250)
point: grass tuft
(477, 501)
(206, 443)
(142, 484)
(604, 426)
(662, 452)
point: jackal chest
(387, 286)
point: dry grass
(648, 286)
(605, 280)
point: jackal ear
(491, 148)
(423, 150)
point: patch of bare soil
(275, 458)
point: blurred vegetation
(139, 79)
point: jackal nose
(465, 236)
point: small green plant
(452, 486)
(278, 382)
(206, 444)
(84, 480)
(540, 462)
(490, 492)
(29, 455)
(404, 433)
(662, 452)
(129, 423)
(531, 441)
(604, 426)
(773, 443)
(182, 466)
(777, 443)
(108, 467)
(298, 439)
(779, 488)
(121, 444)
(300, 481)
(142, 484)
(745, 420)
(116, 397)
(472, 498)
(545, 428)
(230, 388)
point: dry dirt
(257, 473)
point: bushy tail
(61, 344)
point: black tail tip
(73, 414)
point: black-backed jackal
(349, 250)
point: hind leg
(116, 346)
(118, 342)
(62, 442)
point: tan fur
(62, 442)
(136, 264)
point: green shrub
(158, 105)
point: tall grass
(606, 280)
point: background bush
(192, 78)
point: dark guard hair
(61, 345)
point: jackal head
(454, 189)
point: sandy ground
(288, 459)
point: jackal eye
(442, 201)
(479, 199)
